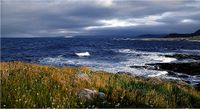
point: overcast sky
(51, 18)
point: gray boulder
(90, 94)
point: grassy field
(31, 85)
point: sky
(68, 18)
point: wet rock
(192, 68)
(175, 74)
(101, 95)
(188, 82)
(172, 73)
(138, 67)
(183, 76)
(90, 94)
(149, 67)
(184, 56)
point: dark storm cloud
(35, 18)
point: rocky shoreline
(184, 56)
(177, 69)
(190, 68)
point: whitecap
(142, 57)
(122, 66)
(158, 74)
(125, 50)
(154, 58)
(83, 54)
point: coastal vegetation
(39, 86)
(172, 38)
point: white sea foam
(158, 74)
(99, 65)
(147, 57)
(114, 67)
(122, 66)
(133, 51)
(83, 54)
(132, 57)
(153, 58)
(126, 51)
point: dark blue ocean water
(112, 55)
(32, 49)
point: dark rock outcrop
(149, 67)
(192, 68)
(184, 56)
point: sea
(113, 55)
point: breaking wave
(147, 57)
(131, 57)
(83, 54)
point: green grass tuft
(25, 85)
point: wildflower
(93, 106)
(23, 96)
(4, 105)
(150, 101)
(117, 105)
(34, 105)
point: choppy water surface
(99, 54)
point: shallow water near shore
(102, 54)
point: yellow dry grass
(32, 85)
